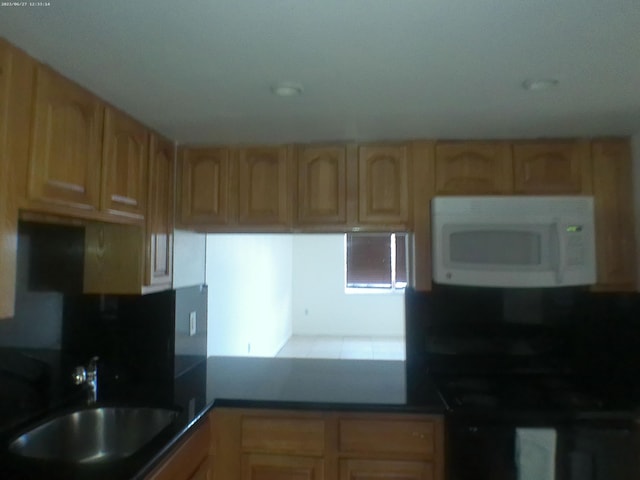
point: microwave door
(498, 255)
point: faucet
(88, 376)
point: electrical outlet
(192, 324)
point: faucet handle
(79, 375)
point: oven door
(487, 451)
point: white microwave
(508, 241)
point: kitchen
(355, 146)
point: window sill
(374, 291)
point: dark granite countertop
(309, 384)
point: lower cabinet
(357, 469)
(190, 460)
(301, 445)
(257, 466)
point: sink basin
(94, 435)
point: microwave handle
(561, 258)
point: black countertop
(309, 384)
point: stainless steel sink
(94, 435)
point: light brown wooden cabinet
(473, 168)
(16, 100)
(243, 189)
(124, 165)
(8, 213)
(321, 186)
(264, 193)
(383, 185)
(281, 467)
(205, 187)
(66, 141)
(135, 259)
(191, 459)
(359, 469)
(279, 445)
(160, 207)
(615, 234)
(551, 168)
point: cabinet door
(383, 185)
(204, 199)
(613, 194)
(8, 217)
(358, 469)
(552, 168)
(263, 187)
(159, 233)
(16, 97)
(189, 460)
(66, 144)
(322, 186)
(124, 165)
(281, 467)
(472, 168)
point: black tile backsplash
(598, 334)
(56, 327)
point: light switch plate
(192, 324)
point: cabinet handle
(418, 435)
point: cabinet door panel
(185, 462)
(388, 437)
(322, 186)
(124, 165)
(263, 185)
(551, 168)
(383, 185)
(160, 213)
(613, 194)
(8, 217)
(283, 435)
(473, 169)
(66, 144)
(280, 467)
(205, 187)
(353, 469)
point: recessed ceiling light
(537, 84)
(287, 89)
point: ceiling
(201, 71)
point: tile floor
(354, 348)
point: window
(376, 261)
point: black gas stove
(507, 362)
(518, 392)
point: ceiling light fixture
(287, 89)
(538, 84)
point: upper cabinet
(321, 186)
(205, 186)
(383, 185)
(124, 165)
(613, 194)
(64, 169)
(16, 97)
(159, 225)
(244, 189)
(473, 168)
(551, 168)
(264, 195)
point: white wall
(320, 304)
(250, 293)
(189, 252)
